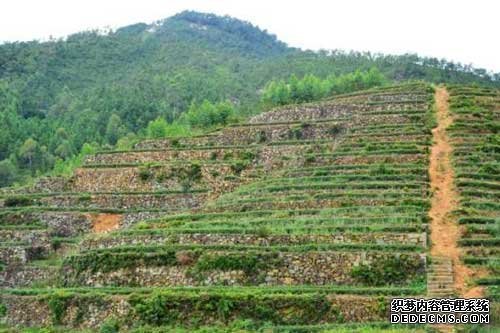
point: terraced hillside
(474, 132)
(313, 214)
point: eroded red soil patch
(102, 223)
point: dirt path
(445, 232)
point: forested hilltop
(63, 98)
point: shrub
(3, 310)
(194, 172)
(109, 262)
(310, 159)
(261, 137)
(491, 168)
(84, 198)
(334, 129)
(55, 244)
(157, 128)
(175, 143)
(207, 114)
(110, 326)
(185, 257)
(247, 155)
(145, 173)
(161, 177)
(8, 173)
(18, 201)
(58, 304)
(142, 225)
(381, 271)
(164, 308)
(238, 167)
(263, 232)
(379, 169)
(295, 133)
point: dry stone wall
(264, 153)
(16, 276)
(160, 178)
(258, 133)
(25, 236)
(110, 241)
(89, 311)
(65, 224)
(289, 268)
(124, 201)
(205, 140)
(149, 156)
(18, 254)
(331, 110)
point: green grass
(476, 161)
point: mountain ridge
(89, 83)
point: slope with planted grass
(474, 134)
(313, 214)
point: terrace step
(211, 237)
(440, 277)
(182, 265)
(20, 309)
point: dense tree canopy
(192, 70)
(311, 87)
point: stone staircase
(440, 278)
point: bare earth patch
(102, 223)
(445, 232)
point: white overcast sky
(464, 31)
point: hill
(304, 218)
(95, 87)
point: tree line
(311, 87)
(62, 99)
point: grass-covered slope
(476, 140)
(305, 217)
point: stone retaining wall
(241, 135)
(289, 268)
(66, 224)
(165, 155)
(70, 224)
(130, 219)
(90, 311)
(262, 153)
(32, 237)
(110, 241)
(387, 97)
(329, 110)
(126, 201)
(14, 254)
(16, 276)
(161, 178)
(50, 184)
